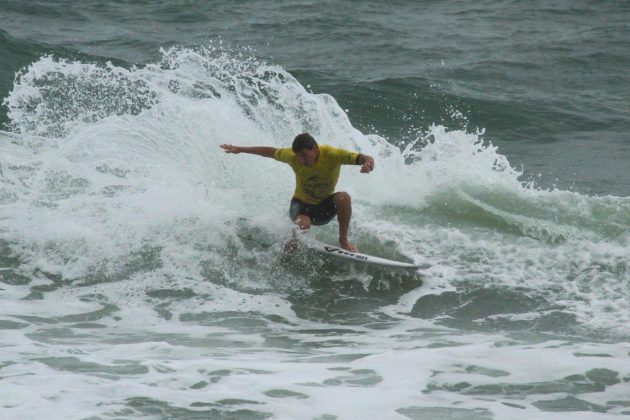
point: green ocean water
(547, 82)
(137, 275)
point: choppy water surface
(137, 261)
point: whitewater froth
(110, 172)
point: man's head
(305, 148)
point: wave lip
(52, 95)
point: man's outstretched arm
(256, 150)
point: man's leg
(303, 222)
(343, 204)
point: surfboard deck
(358, 257)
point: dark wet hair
(303, 141)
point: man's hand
(367, 164)
(231, 149)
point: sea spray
(111, 173)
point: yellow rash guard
(314, 184)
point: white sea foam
(126, 199)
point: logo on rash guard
(335, 250)
(317, 187)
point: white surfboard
(356, 256)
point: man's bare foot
(345, 244)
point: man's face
(308, 157)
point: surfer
(316, 169)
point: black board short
(320, 214)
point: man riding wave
(316, 169)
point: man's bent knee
(341, 197)
(303, 221)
